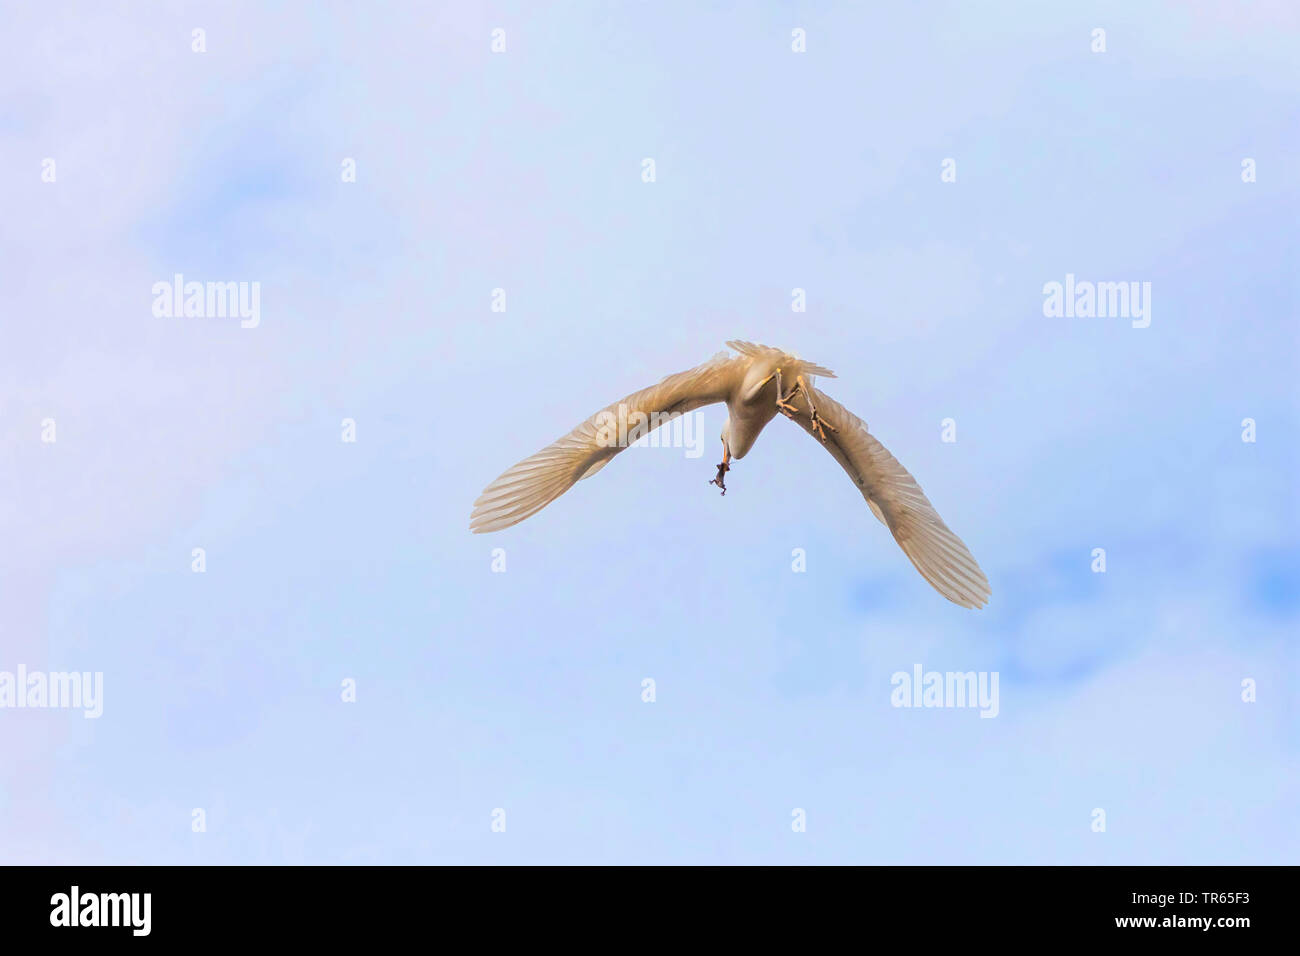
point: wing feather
(897, 500)
(535, 482)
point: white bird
(756, 384)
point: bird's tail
(796, 365)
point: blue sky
(522, 690)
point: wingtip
(981, 600)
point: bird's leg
(782, 397)
(724, 466)
(783, 401)
(817, 421)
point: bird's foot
(820, 424)
(783, 401)
(723, 468)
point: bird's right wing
(538, 480)
(896, 499)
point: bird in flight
(756, 384)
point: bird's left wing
(896, 499)
(538, 480)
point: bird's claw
(820, 424)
